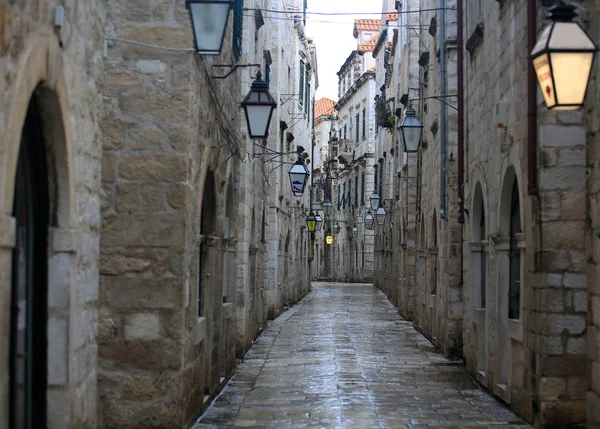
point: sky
(333, 37)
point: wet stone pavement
(344, 358)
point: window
(345, 131)
(364, 124)
(339, 196)
(307, 102)
(362, 193)
(350, 194)
(367, 37)
(404, 23)
(514, 291)
(344, 197)
(357, 127)
(301, 89)
(267, 74)
(356, 190)
(238, 22)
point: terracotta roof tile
(368, 46)
(324, 107)
(366, 25)
(391, 17)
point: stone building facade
(496, 265)
(350, 165)
(134, 202)
(50, 106)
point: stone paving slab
(344, 358)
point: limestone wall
(60, 71)
(165, 312)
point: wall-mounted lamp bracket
(439, 98)
(233, 68)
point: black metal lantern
(562, 59)
(259, 106)
(319, 222)
(311, 222)
(380, 215)
(369, 220)
(374, 200)
(355, 232)
(410, 131)
(360, 219)
(209, 22)
(337, 228)
(327, 206)
(299, 177)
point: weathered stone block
(142, 326)
(561, 136)
(119, 264)
(130, 294)
(552, 388)
(562, 178)
(165, 167)
(557, 323)
(109, 167)
(127, 198)
(113, 134)
(139, 230)
(148, 137)
(151, 198)
(563, 235)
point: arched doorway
(508, 257)
(479, 278)
(29, 295)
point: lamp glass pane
(380, 216)
(374, 200)
(311, 224)
(360, 219)
(542, 41)
(571, 73)
(298, 178)
(569, 35)
(209, 21)
(411, 138)
(541, 65)
(369, 221)
(258, 119)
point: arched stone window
(29, 291)
(433, 253)
(514, 290)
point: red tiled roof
(366, 25)
(391, 17)
(368, 46)
(372, 69)
(324, 107)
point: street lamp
(355, 232)
(299, 177)
(360, 218)
(369, 220)
(329, 239)
(337, 228)
(374, 201)
(319, 222)
(410, 130)
(259, 106)
(209, 22)
(380, 215)
(311, 222)
(327, 206)
(562, 59)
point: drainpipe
(532, 185)
(443, 109)
(461, 131)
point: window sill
(200, 329)
(515, 326)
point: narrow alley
(344, 358)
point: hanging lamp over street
(319, 222)
(327, 206)
(337, 228)
(410, 131)
(311, 222)
(259, 106)
(329, 239)
(380, 215)
(209, 22)
(355, 232)
(374, 200)
(562, 59)
(299, 177)
(369, 220)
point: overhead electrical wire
(297, 12)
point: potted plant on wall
(383, 114)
